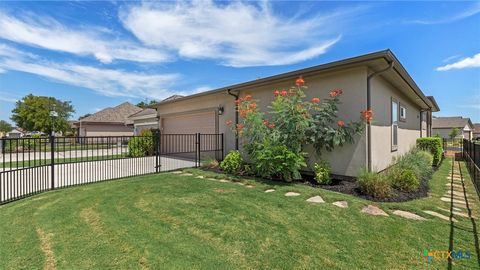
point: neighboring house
(108, 122)
(16, 133)
(398, 104)
(476, 130)
(443, 126)
(144, 119)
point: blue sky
(100, 54)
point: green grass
(168, 221)
(59, 147)
(37, 162)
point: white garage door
(189, 123)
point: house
(377, 81)
(108, 122)
(15, 133)
(443, 126)
(144, 119)
(476, 130)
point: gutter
(236, 114)
(369, 107)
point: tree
(454, 133)
(84, 116)
(39, 113)
(145, 103)
(5, 126)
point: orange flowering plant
(275, 141)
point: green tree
(39, 113)
(5, 126)
(145, 103)
(454, 133)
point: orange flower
(243, 113)
(333, 94)
(315, 100)
(237, 102)
(272, 125)
(240, 126)
(336, 92)
(300, 81)
(276, 93)
(265, 122)
(283, 93)
(228, 122)
(248, 97)
(367, 115)
(340, 123)
(253, 106)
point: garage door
(189, 123)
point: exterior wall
(346, 160)
(141, 124)
(107, 130)
(408, 131)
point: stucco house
(443, 126)
(15, 133)
(377, 81)
(108, 122)
(476, 130)
(144, 119)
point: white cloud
(471, 11)
(108, 82)
(47, 33)
(468, 62)
(236, 33)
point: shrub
(142, 145)
(417, 161)
(374, 184)
(210, 162)
(404, 179)
(322, 172)
(232, 163)
(432, 145)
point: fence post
(157, 150)
(197, 159)
(52, 160)
(223, 151)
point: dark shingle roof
(143, 112)
(476, 128)
(450, 122)
(116, 114)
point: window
(394, 125)
(403, 113)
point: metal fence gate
(32, 165)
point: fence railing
(471, 154)
(32, 165)
(453, 145)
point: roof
(145, 112)
(173, 97)
(434, 104)
(451, 122)
(16, 130)
(116, 114)
(476, 127)
(375, 61)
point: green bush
(432, 145)
(141, 146)
(417, 161)
(404, 179)
(374, 184)
(322, 172)
(232, 163)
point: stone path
(316, 199)
(292, 194)
(408, 215)
(341, 204)
(373, 210)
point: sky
(100, 54)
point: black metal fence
(453, 145)
(471, 154)
(32, 165)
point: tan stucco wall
(408, 131)
(107, 130)
(345, 161)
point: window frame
(393, 125)
(402, 118)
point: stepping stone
(457, 193)
(224, 180)
(457, 209)
(177, 172)
(213, 179)
(408, 215)
(269, 190)
(316, 199)
(249, 186)
(186, 174)
(455, 186)
(373, 210)
(455, 212)
(341, 204)
(291, 194)
(240, 183)
(435, 214)
(452, 200)
(200, 177)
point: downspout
(236, 114)
(369, 107)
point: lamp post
(53, 114)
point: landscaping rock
(212, 179)
(341, 204)
(457, 213)
(269, 190)
(408, 215)
(435, 214)
(292, 194)
(249, 186)
(224, 180)
(373, 210)
(200, 177)
(240, 183)
(177, 172)
(186, 174)
(457, 193)
(452, 200)
(316, 199)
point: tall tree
(146, 103)
(5, 126)
(454, 133)
(39, 113)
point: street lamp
(53, 114)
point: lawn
(172, 221)
(40, 162)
